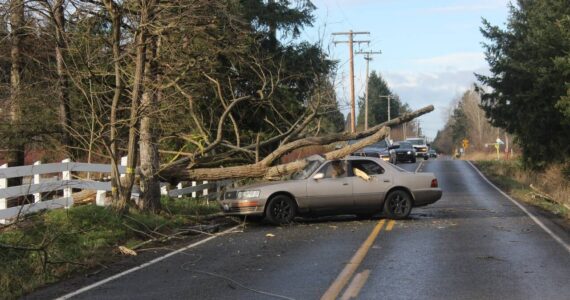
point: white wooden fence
(34, 184)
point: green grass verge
(510, 177)
(53, 245)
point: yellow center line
(355, 285)
(342, 278)
(390, 225)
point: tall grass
(53, 245)
(512, 176)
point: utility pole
(388, 97)
(351, 60)
(418, 129)
(368, 58)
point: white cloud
(431, 88)
(453, 61)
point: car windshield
(405, 145)
(380, 144)
(308, 170)
(416, 142)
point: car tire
(414, 159)
(398, 205)
(280, 210)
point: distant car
(405, 152)
(432, 153)
(354, 185)
(420, 145)
(381, 149)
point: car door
(332, 192)
(370, 193)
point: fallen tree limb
(180, 171)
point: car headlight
(409, 152)
(247, 194)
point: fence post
(66, 177)
(164, 189)
(123, 163)
(3, 185)
(37, 196)
(100, 198)
(205, 192)
(194, 193)
(179, 186)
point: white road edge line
(96, 284)
(533, 217)
(419, 166)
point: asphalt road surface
(472, 244)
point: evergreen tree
(530, 68)
(379, 93)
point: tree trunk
(140, 62)
(62, 86)
(149, 182)
(115, 13)
(17, 152)
(179, 171)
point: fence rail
(64, 182)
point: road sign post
(465, 144)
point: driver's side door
(330, 193)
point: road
(472, 244)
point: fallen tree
(185, 169)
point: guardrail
(63, 181)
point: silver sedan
(355, 185)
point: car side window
(368, 167)
(335, 169)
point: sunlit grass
(513, 178)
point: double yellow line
(351, 267)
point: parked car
(432, 153)
(420, 145)
(382, 149)
(405, 152)
(354, 185)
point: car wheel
(414, 159)
(398, 205)
(280, 210)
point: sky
(430, 48)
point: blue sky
(430, 48)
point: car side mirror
(319, 176)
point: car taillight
(434, 183)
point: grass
(56, 244)
(513, 178)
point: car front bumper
(242, 207)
